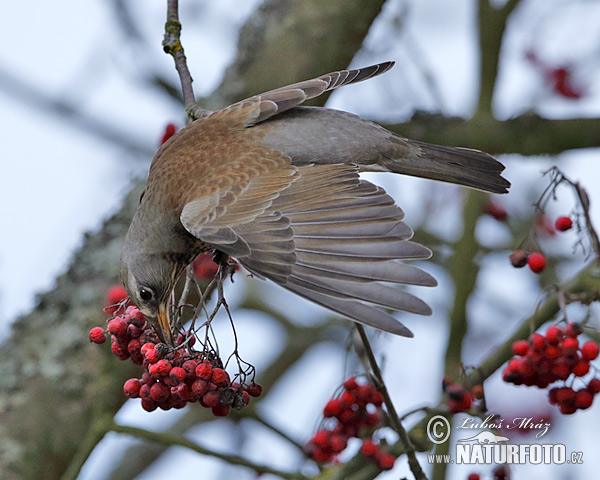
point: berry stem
(403, 439)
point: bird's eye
(145, 294)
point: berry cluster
(354, 412)
(536, 260)
(459, 398)
(173, 377)
(555, 356)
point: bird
(275, 185)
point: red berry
(254, 389)
(377, 398)
(337, 443)
(190, 368)
(537, 262)
(537, 341)
(581, 369)
(347, 398)
(570, 343)
(220, 377)
(590, 350)
(473, 476)
(132, 388)
(159, 392)
(221, 410)
(386, 461)
(320, 456)
(332, 408)
(204, 371)
(351, 384)
(321, 438)
(200, 387)
(563, 224)
(553, 334)
(584, 399)
(97, 335)
(146, 347)
(372, 419)
(496, 211)
(368, 448)
(211, 398)
(170, 130)
(594, 385)
(518, 258)
(520, 347)
(117, 326)
(177, 374)
(116, 294)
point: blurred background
(86, 92)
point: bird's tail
(462, 166)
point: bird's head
(149, 280)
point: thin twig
(172, 46)
(170, 439)
(404, 439)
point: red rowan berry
(221, 410)
(211, 398)
(117, 326)
(536, 262)
(473, 476)
(132, 388)
(386, 461)
(553, 334)
(520, 347)
(204, 371)
(332, 408)
(368, 448)
(97, 335)
(584, 399)
(254, 389)
(594, 385)
(159, 392)
(220, 376)
(570, 343)
(581, 369)
(177, 374)
(563, 224)
(351, 384)
(590, 350)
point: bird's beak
(164, 327)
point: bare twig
(170, 439)
(396, 424)
(172, 46)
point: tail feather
(461, 166)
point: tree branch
(170, 440)
(404, 439)
(526, 135)
(492, 24)
(172, 46)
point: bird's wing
(232, 212)
(323, 234)
(259, 108)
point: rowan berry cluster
(354, 413)
(536, 260)
(555, 356)
(460, 399)
(173, 377)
